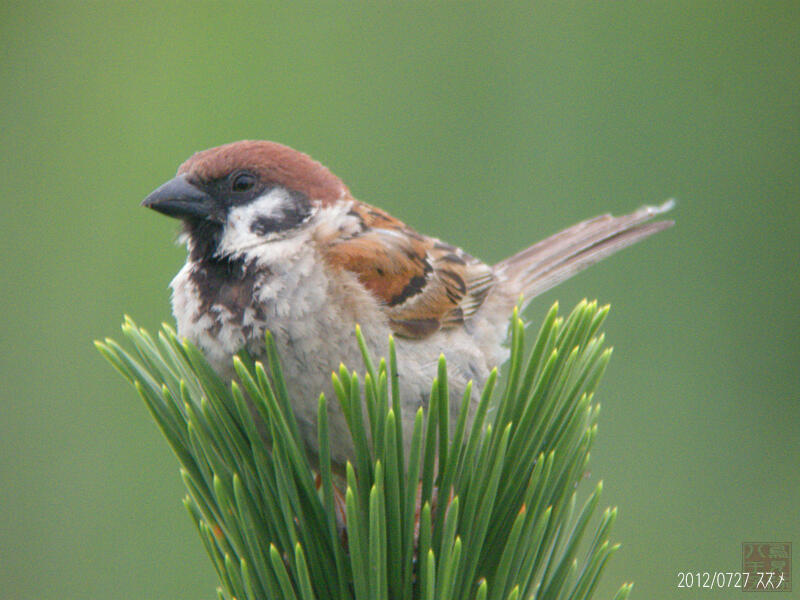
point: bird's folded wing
(423, 284)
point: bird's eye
(243, 182)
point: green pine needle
(484, 513)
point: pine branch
(485, 513)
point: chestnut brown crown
(273, 163)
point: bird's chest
(225, 309)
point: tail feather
(535, 270)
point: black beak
(180, 199)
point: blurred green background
(488, 125)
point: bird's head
(240, 195)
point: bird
(276, 242)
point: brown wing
(424, 285)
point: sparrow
(275, 241)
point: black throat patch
(230, 285)
(205, 236)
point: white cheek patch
(270, 204)
(242, 231)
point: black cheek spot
(266, 225)
(293, 214)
